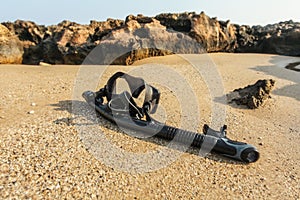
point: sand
(44, 153)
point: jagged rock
(141, 37)
(212, 34)
(70, 43)
(139, 18)
(282, 38)
(33, 54)
(51, 52)
(27, 31)
(69, 33)
(285, 44)
(61, 44)
(215, 36)
(253, 96)
(75, 55)
(178, 22)
(142, 40)
(11, 50)
(31, 35)
(101, 29)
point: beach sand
(45, 155)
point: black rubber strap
(136, 85)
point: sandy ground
(47, 155)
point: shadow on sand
(293, 90)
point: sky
(252, 12)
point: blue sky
(251, 12)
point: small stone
(260, 138)
(57, 186)
(262, 178)
(261, 144)
(31, 112)
(44, 64)
(293, 177)
(33, 104)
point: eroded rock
(252, 96)
(28, 32)
(282, 38)
(101, 29)
(142, 37)
(142, 40)
(213, 35)
(11, 49)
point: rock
(31, 112)
(262, 178)
(253, 96)
(178, 22)
(33, 54)
(282, 38)
(139, 18)
(212, 34)
(141, 37)
(27, 31)
(69, 33)
(101, 29)
(141, 40)
(44, 64)
(64, 42)
(50, 52)
(11, 50)
(31, 35)
(70, 43)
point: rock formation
(252, 96)
(143, 37)
(213, 35)
(138, 37)
(282, 38)
(11, 49)
(30, 35)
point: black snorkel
(122, 110)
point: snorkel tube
(123, 111)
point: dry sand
(44, 155)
